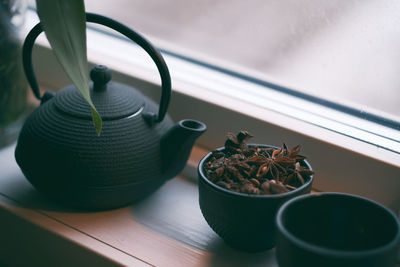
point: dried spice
(256, 170)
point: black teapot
(61, 155)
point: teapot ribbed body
(61, 154)
(117, 102)
(139, 148)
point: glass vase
(13, 86)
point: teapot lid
(112, 100)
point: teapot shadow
(26, 196)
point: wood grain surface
(165, 229)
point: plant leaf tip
(98, 130)
(97, 121)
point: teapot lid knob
(100, 76)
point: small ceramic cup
(245, 222)
(336, 229)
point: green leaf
(98, 123)
(64, 23)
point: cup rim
(329, 251)
(219, 189)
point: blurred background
(342, 50)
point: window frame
(345, 163)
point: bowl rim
(329, 251)
(219, 189)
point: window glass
(343, 51)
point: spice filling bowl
(244, 221)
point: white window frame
(347, 153)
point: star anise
(256, 170)
(298, 174)
(237, 143)
(276, 165)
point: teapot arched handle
(132, 35)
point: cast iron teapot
(61, 155)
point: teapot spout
(176, 145)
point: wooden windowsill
(165, 229)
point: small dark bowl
(245, 222)
(335, 229)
